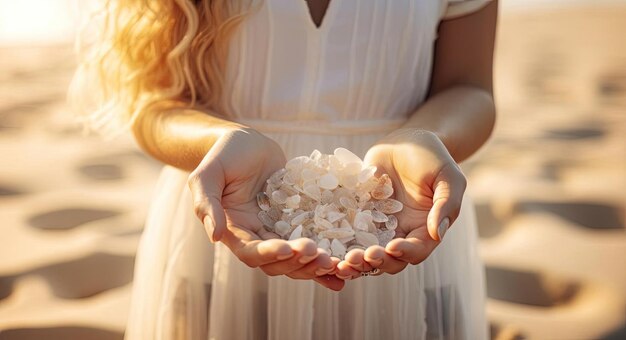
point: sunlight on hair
(137, 53)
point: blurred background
(550, 186)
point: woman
(224, 92)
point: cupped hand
(224, 188)
(429, 183)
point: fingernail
(376, 262)
(307, 259)
(349, 277)
(443, 227)
(285, 256)
(323, 271)
(396, 253)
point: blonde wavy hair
(134, 54)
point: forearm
(178, 136)
(462, 117)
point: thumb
(449, 187)
(207, 186)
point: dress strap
(325, 127)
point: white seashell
(334, 164)
(265, 218)
(320, 210)
(349, 181)
(366, 239)
(290, 178)
(346, 239)
(313, 191)
(388, 206)
(348, 202)
(274, 213)
(382, 192)
(263, 201)
(350, 213)
(296, 163)
(364, 199)
(308, 174)
(362, 220)
(353, 169)
(345, 224)
(296, 233)
(316, 155)
(337, 248)
(288, 210)
(308, 233)
(383, 189)
(279, 196)
(327, 196)
(379, 217)
(371, 227)
(322, 224)
(369, 185)
(293, 201)
(328, 181)
(336, 233)
(301, 218)
(368, 206)
(324, 244)
(334, 216)
(346, 156)
(392, 222)
(282, 228)
(277, 177)
(309, 182)
(367, 173)
(384, 236)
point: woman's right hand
(224, 188)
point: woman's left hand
(429, 183)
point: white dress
(347, 83)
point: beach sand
(550, 189)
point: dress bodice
(369, 60)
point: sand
(550, 188)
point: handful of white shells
(332, 199)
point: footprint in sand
(69, 218)
(529, 288)
(102, 171)
(582, 133)
(7, 190)
(87, 276)
(591, 215)
(6, 286)
(489, 224)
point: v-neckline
(304, 5)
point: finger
(305, 251)
(346, 272)
(254, 252)
(330, 282)
(335, 261)
(321, 266)
(448, 194)
(207, 197)
(355, 259)
(378, 258)
(414, 248)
